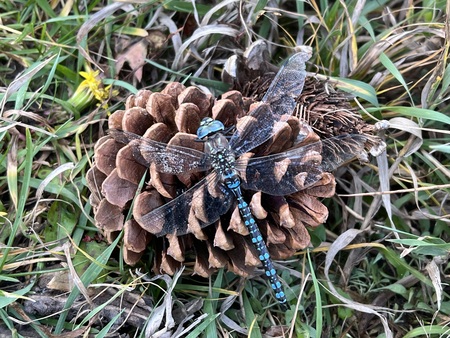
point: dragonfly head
(208, 127)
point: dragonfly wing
(196, 208)
(277, 105)
(299, 168)
(170, 159)
(339, 150)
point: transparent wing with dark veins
(196, 208)
(277, 105)
(168, 159)
(299, 168)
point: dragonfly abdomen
(259, 244)
(223, 161)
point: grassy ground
(383, 264)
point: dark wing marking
(299, 168)
(196, 208)
(168, 159)
(277, 105)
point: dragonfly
(229, 173)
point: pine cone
(173, 117)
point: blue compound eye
(208, 127)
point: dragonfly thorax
(222, 159)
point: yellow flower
(89, 89)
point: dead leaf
(135, 56)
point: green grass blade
(420, 113)
(358, 89)
(198, 331)
(390, 66)
(251, 319)
(9, 298)
(22, 197)
(318, 307)
(104, 332)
